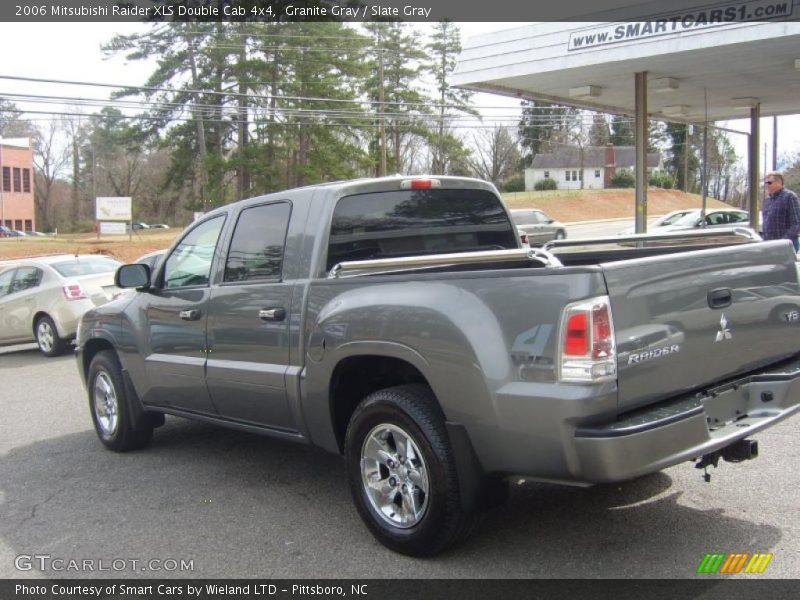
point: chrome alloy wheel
(45, 336)
(106, 404)
(394, 476)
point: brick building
(16, 184)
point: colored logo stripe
(733, 563)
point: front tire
(402, 472)
(47, 337)
(114, 421)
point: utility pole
(774, 142)
(382, 168)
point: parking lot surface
(240, 505)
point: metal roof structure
(693, 64)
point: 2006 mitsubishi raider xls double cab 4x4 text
(398, 322)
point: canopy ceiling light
(663, 84)
(585, 91)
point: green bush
(662, 180)
(514, 184)
(545, 184)
(623, 179)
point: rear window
(413, 222)
(86, 266)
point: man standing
(781, 211)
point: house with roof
(592, 165)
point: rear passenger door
(248, 322)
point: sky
(72, 52)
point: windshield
(673, 219)
(688, 220)
(86, 266)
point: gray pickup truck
(398, 322)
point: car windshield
(688, 220)
(86, 266)
(673, 219)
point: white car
(667, 219)
(42, 299)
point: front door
(175, 316)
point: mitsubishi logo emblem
(724, 333)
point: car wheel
(560, 234)
(47, 337)
(110, 406)
(402, 473)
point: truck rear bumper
(654, 438)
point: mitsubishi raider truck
(396, 321)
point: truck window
(413, 222)
(256, 251)
(190, 261)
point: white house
(594, 165)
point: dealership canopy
(722, 61)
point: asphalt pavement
(229, 504)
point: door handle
(720, 298)
(272, 314)
(190, 315)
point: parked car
(4, 231)
(139, 225)
(667, 219)
(42, 299)
(398, 322)
(717, 217)
(159, 226)
(538, 226)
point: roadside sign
(113, 209)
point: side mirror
(132, 276)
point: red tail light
(588, 351)
(523, 237)
(576, 340)
(420, 184)
(74, 291)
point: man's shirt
(781, 216)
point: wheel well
(357, 377)
(91, 349)
(36, 318)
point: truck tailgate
(685, 321)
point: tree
(51, 159)
(496, 154)
(541, 126)
(599, 133)
(446, 148)
(621, 131)
(11, 123)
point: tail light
(588, 352)
(523, 237)
(420, 184)
(74, 291)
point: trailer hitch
(738, 451)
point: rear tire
(47, 337)
(114, 420)
(402, 472)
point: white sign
(113, 209)
(112, 228)
(756, 10)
